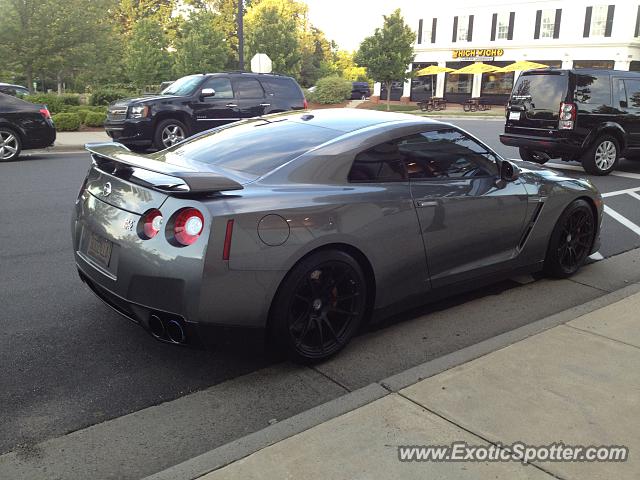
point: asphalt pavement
(68, 362)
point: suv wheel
(602, 157)
(10, 145)
(169, 132)
(533, 156)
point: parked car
(14, 90)
(166, 84)
(360, 91)
(196, 103)
(23, 125)
(307, 225)
(588, 115)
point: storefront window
(458, 83)
(423, 87)
(497, 83)
(601, 64)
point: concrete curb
(243, 447)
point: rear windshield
(282, 87)
(255, 147)
(540, 92)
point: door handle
(265, 104)
(231, 105)
(426, 203)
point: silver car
(309, 225)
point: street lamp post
(240, 35)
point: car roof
(351, 119)
(2, 84)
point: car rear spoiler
(115, 158)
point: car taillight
(44, 111)
(150, 224)
(306, 104)
(567, 116)
(188, 226)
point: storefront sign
(475, 53)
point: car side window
(446, 154)
(633, 93)
(593, 92)
(382, 163)
(221, 85)
(249, 88)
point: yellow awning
(477, 67)
(521, 65)
(433, 70)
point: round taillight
(151, 223)
(188, 226)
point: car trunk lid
(137, 182)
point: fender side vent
(531, 224)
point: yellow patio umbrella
(477, 67)
(521, 65)
(433, 70)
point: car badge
(129, 224)
(106, 189)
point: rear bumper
(131, 131)
(557, 145)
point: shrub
(53, 102)
(95, 119)
(106, 96)
(331, 90)
(66, 122)
(70, 98)
(82, 113)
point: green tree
(388, 52)
(200, 46)
(129, 12)
(146, 57)
(273, 27)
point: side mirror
(207, 92)
(508, 171)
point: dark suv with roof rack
(199, 102)
(592, 116)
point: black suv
(588, 115)
(196, 103)
(360, 91)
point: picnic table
(433, 103)
(476, 103)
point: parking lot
(69, 362)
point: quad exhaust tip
(175, 332)
(156, 326)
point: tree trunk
(389, 84)
(29, 75)
(59, 80)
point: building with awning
(499, 33)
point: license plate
(99, 249)
(514, 115)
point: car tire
(319, 306)
(533, 156)
(571, 240)
(10, 145)
(601, 158)
(168, 133)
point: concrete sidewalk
(577, 383)
(68, 141)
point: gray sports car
(308, 225)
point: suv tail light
(150, 224)
(567, 116)
(306, 104)
(44, 111)
(188, 226)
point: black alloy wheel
(571, 240)
(320, 306)
(533, 156)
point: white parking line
(623, 220)
(629, 191)
(634, 194)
